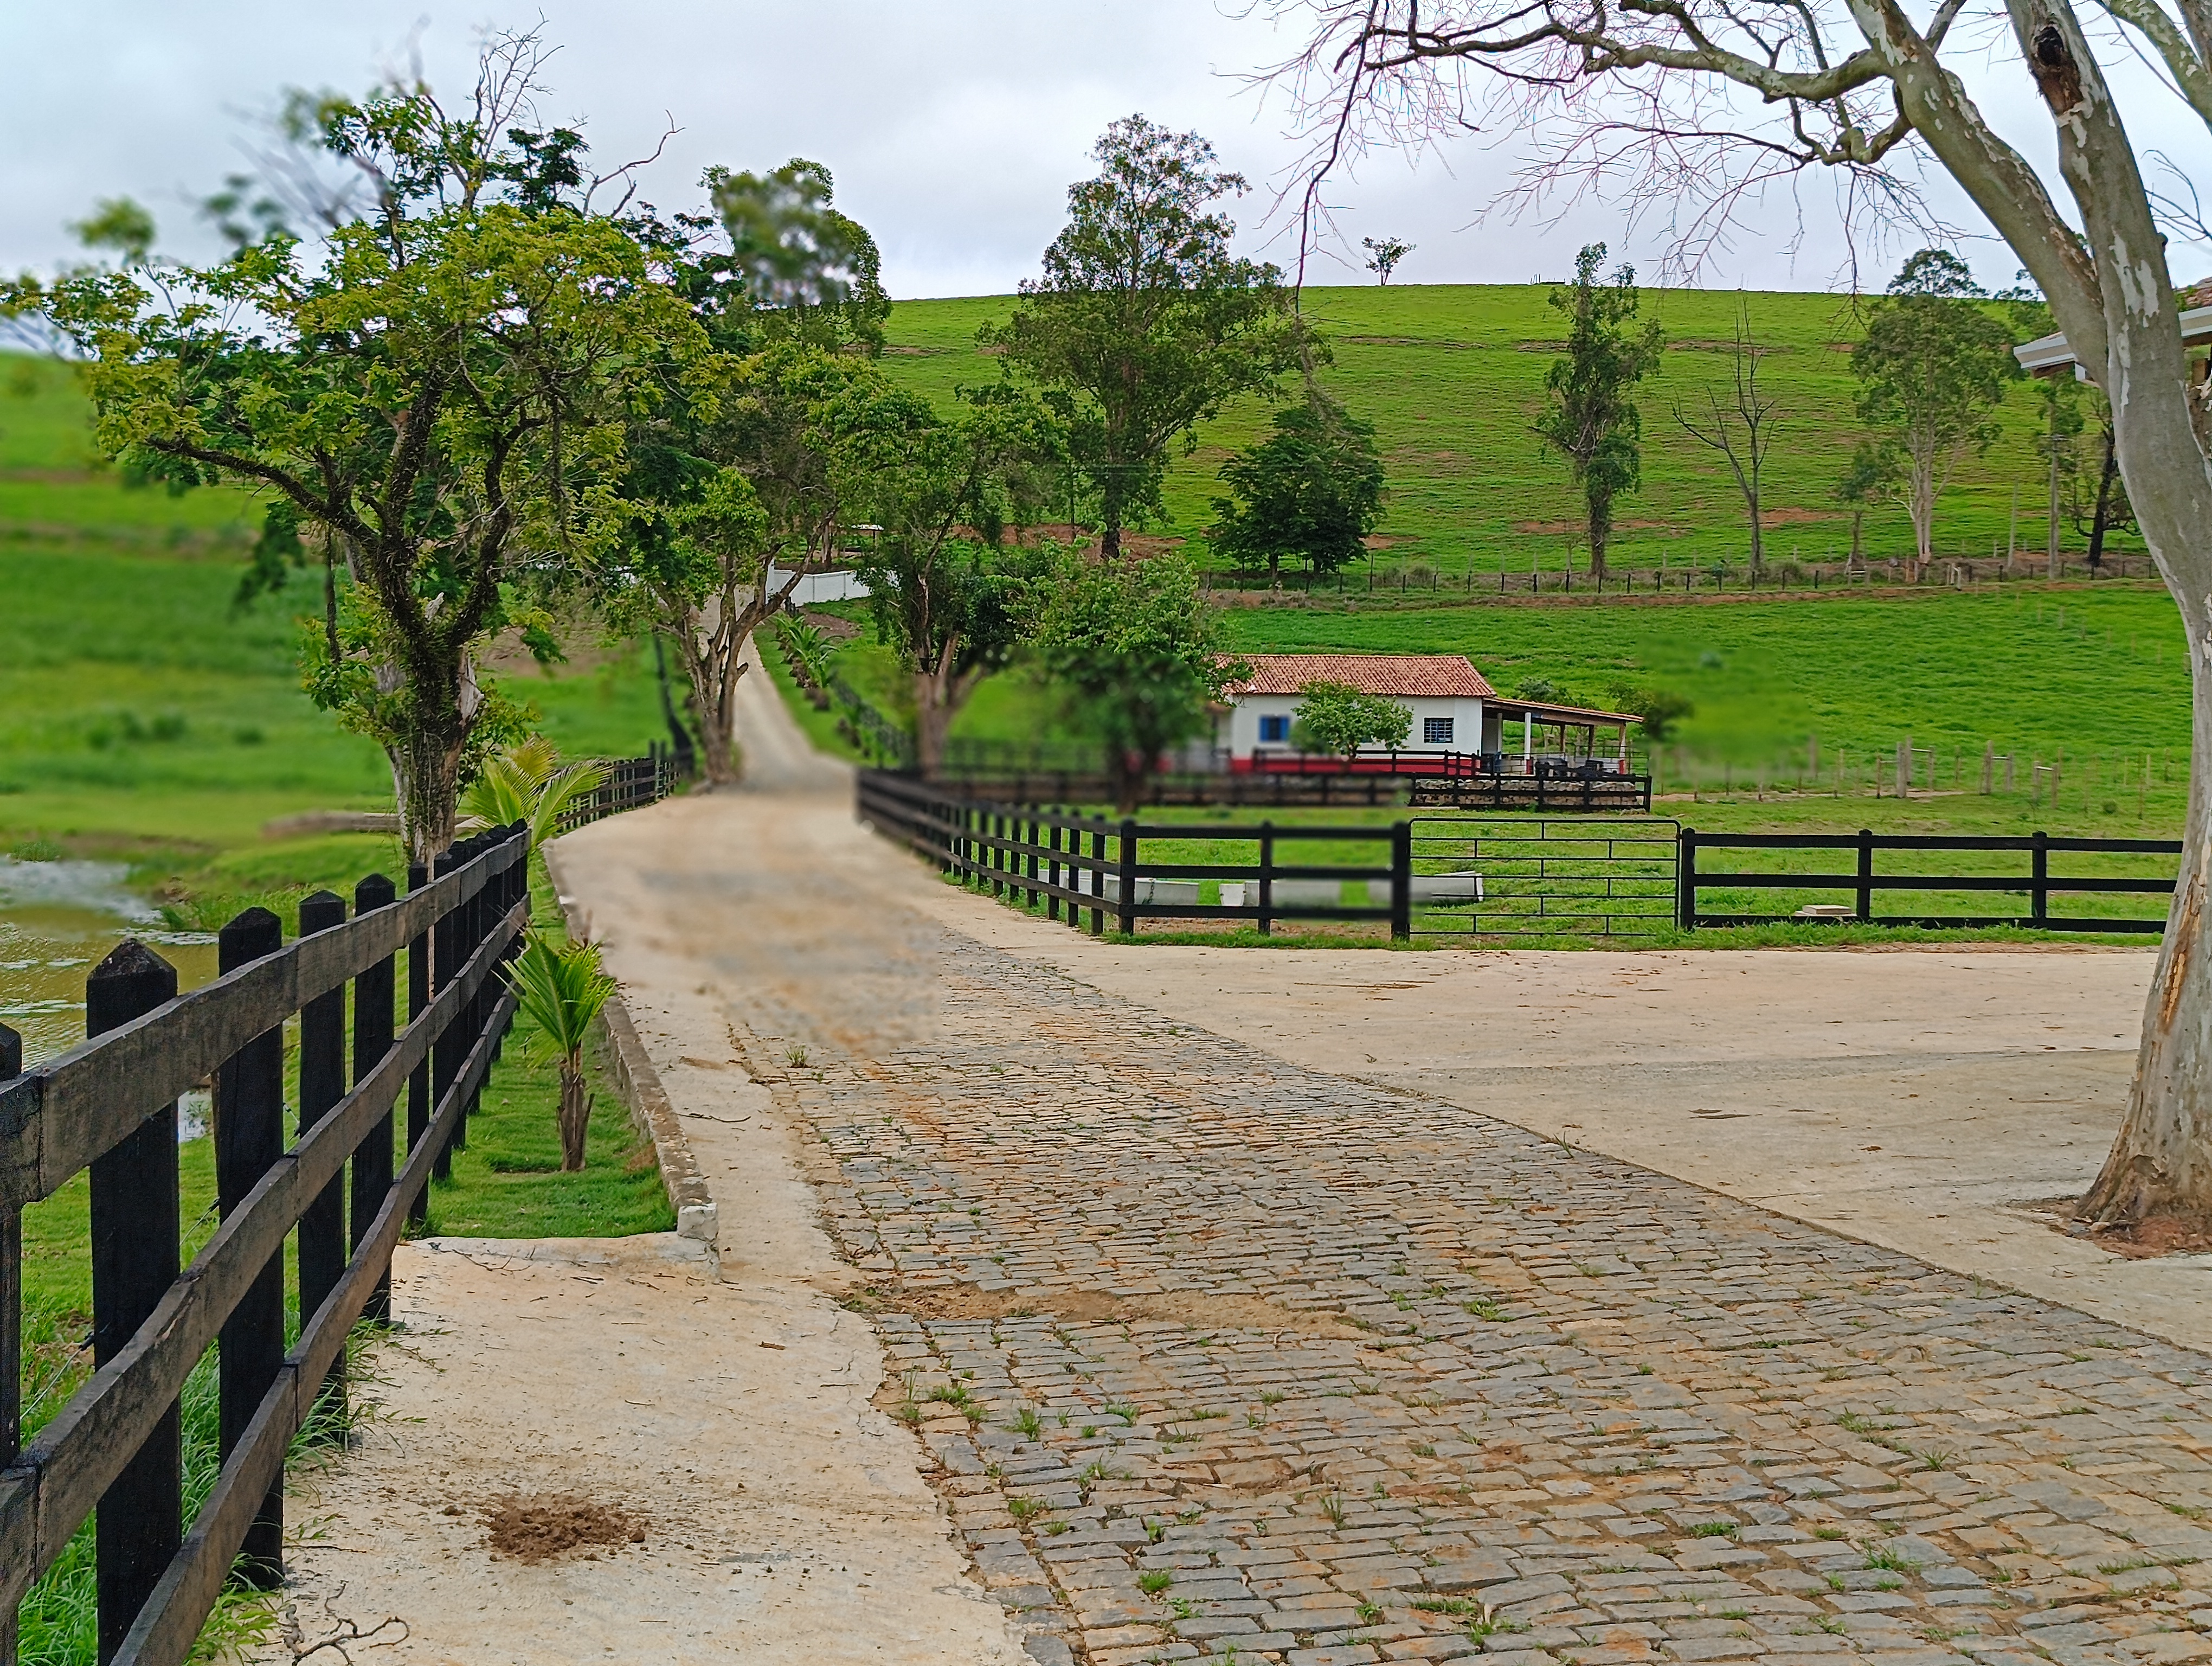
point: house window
(1436, 731)
(1275, 730)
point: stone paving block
(1452, 1363)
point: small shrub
(247, 734)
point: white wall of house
(1262, 723)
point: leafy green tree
(1384, 255)
(1337, 719)
(1658, 710)
(1874, 477)
(560, 990)
(1311, 491)
(1144, 325)
(439, 394)
(947, 600)
(1137, 658)
(730, 483)
(1932, 371)
(1590, 417)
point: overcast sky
(953, 127)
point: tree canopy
(1311, 491)
(1137, 658)
(1337, 719)
(439, 396)
(1932, 371)
(1144, 324)
(1590, 416)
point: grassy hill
(1451, 374)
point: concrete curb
(695, 1215)
(639, 1083)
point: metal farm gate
(1507, 876)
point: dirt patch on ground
(556, 1525)
(2146, 1240)
(1201, 1312)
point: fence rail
(1075, 863)
(2039, 885)
(631, 783)
(110, 1105)
(1539, 876)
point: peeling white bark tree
(1697, 103)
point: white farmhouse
(1455, 711)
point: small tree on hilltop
(1591, 420)
(1311, 491)
(1384, 254)
(1144, 325)
(1932, 371)
(1137, 658)
(1337, 719)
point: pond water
(58, 921)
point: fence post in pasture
(1401, 880)
(1128, 900)
(1052, 870)
(322, 1084)
(2039, 884)
(11, 1328)
(1030, 855)
(134, 1262)
(1989, 766)
(372, 995)
(1685, 880)
(1098, 879)
(1866, 874)
(445, 1052)
(1266, 879)
(249, 1137)
(418, 1000)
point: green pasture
(1452, 374)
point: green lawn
(1452, 374)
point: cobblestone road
(1218, 1357)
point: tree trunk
(1601, 531)
(939, 692)
(2101, 519)
(1920, 502)
(426, 771)
(1758, 533)
(2051, 535)
(575, 1114)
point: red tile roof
(1423, 676)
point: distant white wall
(1239, 728)
(820, 587)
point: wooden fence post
(1866, 874)
(1685, 880)
(134, 1262)
(1098, 879)
(445, 1052)
(1128, 900)
(373, 992)
(249, 1139)
(2039, 885)
(11, 1329)
(418, 1001)
(1266, 879)
(1401, 881)
(322, 1084)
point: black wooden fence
(631, 782)
(110, 1105)
(2036, 887)
(1060, 860)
